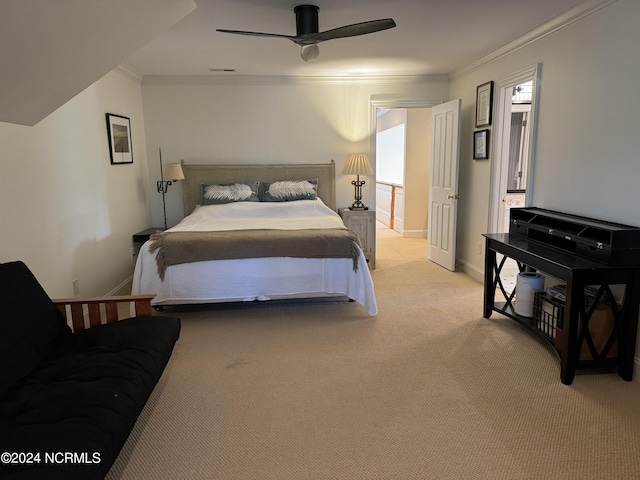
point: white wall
(587, 147)
(202, 121)
(64, 209)
(418, 172)
(587, 150)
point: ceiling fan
(308, 36)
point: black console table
(564, 246)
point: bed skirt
(217, 281)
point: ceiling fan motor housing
(306, 19)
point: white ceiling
(431, 37)
(52, 50)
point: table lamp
(358, 164)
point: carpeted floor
(428, 389)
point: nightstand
(363, 222)
(138, 239)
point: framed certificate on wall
(481, 145)
(484, 101)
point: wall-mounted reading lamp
(172, 171)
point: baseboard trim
(124, 288)
(471, 270)
(414, 233)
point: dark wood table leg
(571, 348)
(489, 285)
(628, 331)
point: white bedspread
(256, 278)
(257, 215)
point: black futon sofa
(68, 400)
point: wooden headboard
(196, 175)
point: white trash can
(527, 284)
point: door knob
(453, 197)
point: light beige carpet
(428, 389)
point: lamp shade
(173, 171)
(358, 164)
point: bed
(257, 249)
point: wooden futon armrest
(100, 309)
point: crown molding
(563, 20)
(130, 73)
(282, 80)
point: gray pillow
(214, 194)
(287, 190)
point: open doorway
(513, 162)
(516, 138)
(515, 133)
(391, 157)
(403, 151)
(379, 107)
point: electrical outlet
(479, 248)
(76, 287)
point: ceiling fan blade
(309, 52)
(355, 29)
(256, 34)
(307, 35)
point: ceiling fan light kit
(309, 52)
(308, 35)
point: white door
(443, 191)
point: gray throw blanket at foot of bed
(185, 247)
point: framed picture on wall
(484, 101)
(481, 145)
(119, 131)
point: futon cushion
(30, 325)
(85, 397)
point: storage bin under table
(578, 272)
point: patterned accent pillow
(213, 194)
(287, 190)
